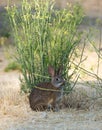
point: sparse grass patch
(12, 66)
(11, 101)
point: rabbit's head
(56, 78)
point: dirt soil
(15, 113)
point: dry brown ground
(15, 113)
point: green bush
(43, 36)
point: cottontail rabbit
(47, 95)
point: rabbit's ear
(59, 71)
(51, 71)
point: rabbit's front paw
(49, 107)
(56, 108)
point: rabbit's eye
(57, 79)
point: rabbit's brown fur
(43, 99)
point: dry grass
(82, 98)
(13, 103)
(11, 99)
(79, 110)
(15, 113)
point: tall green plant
(44, 35)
